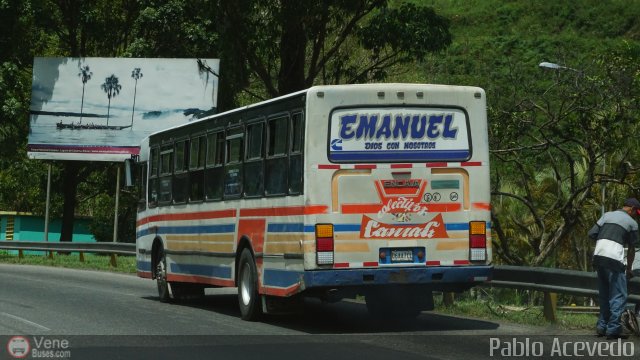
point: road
(116, 315)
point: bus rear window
(406, 134)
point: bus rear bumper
(438, 278)
(439, 275)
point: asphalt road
(107, 315)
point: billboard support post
(115, 219)
(46, 211)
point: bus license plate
(401, 255)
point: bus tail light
(324, 244)
(477, 241)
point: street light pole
(554, 66)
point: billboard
(99, 109)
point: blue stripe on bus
(144, 265)
(281, 278)
(202, 270)
(346, 227)
(426, 156)
(285, 227)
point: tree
(112, 88)
(289, 45)
(549, 156)
(85, 75)
(135, 74)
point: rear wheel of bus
(248, 297)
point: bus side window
(180, 177)
(142, 186)
(214, 173)
(153, 178)
(196, 168)
(233, 165)
(276, 163)
(166, 170)
(296, 154)
(253, 166)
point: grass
(125, 264)
(488, 309)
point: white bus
(379, 190)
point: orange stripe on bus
(267, 290)
(471, 163)
(286, 211)
(218, 214)
(436, 164)
(200, 280)
(481, 206)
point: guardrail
(110, 248)
(553, 281)
(571, 282)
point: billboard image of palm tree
(173, 92)
(135, 74)
(112, 88)
(85, 75)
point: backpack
(629, 323)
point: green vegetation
(558, 138)
(515, 306)
(125, 264)
(533, 316)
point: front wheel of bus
(248, 297)
(161, 278)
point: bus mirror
(128, 172)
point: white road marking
(26, 321)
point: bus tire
(164, 293)
(248, 298)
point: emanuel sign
(399, 134)
(99, 109)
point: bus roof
(387, 86)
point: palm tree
(85, 75)
(112, 88)
(135, 74)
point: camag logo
(336, 144)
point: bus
(372, 190)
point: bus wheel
(248, 297)
(161, 278)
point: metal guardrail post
(81, 256)
(20, 255)
(113, 261)
(447, 299)
(550, 306)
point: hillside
(496, 36)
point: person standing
(612, 232)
